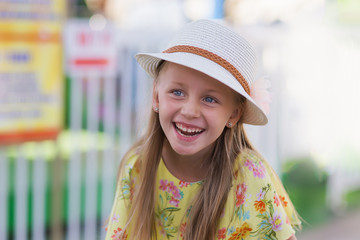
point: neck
(190, 168)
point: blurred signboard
(90, 47)
(31, 74)
(91, 53)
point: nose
(191, 108)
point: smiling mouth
(186, 131)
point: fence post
(108, 160)
(57, 200)
(91, 157)
(39, 186)
(21, 194)
(74, 167)
(126, 89)
(3, 193)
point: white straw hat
(216, 50)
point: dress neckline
(163, 167)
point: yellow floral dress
(257, 206)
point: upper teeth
(189, 130)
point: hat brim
(149, 62)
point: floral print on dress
(241, 232)
(128, 182)
(173, 194)
(256, 167)
(183, 184)
(276, 222)
(169, 197)
(241, 197)
(260, 206)
(182, 230)
(119, 234)
(116, 218)
(276, 199)
(284, 203)
(271, 221)
(240, 194)
(221, 233)
(258, 209)
(127, 188)
(260, 195)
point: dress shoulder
(127, 179)
(257, 167)
(262, 208)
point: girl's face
(194, 108)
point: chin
(184, 151)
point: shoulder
(130, 162)
(249, 155)
(264, 188)
(259, 205)
(257, 172)
(129, 165)
(254, 171)
(251, 163)
(128, 176)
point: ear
(235, 116)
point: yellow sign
(31, 76)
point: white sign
(90, 51)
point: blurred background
(73, 99)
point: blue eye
(209, 100)
(177, 93)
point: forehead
(172, 72)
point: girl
(194, 175)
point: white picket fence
(82, 163)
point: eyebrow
(213, 91)
(207, 90)
(178, 83)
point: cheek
(220, 116)
(162, 97)
(167, 110)
(166, 103)
(217, 120)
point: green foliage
(352, 199)
(305, 183)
